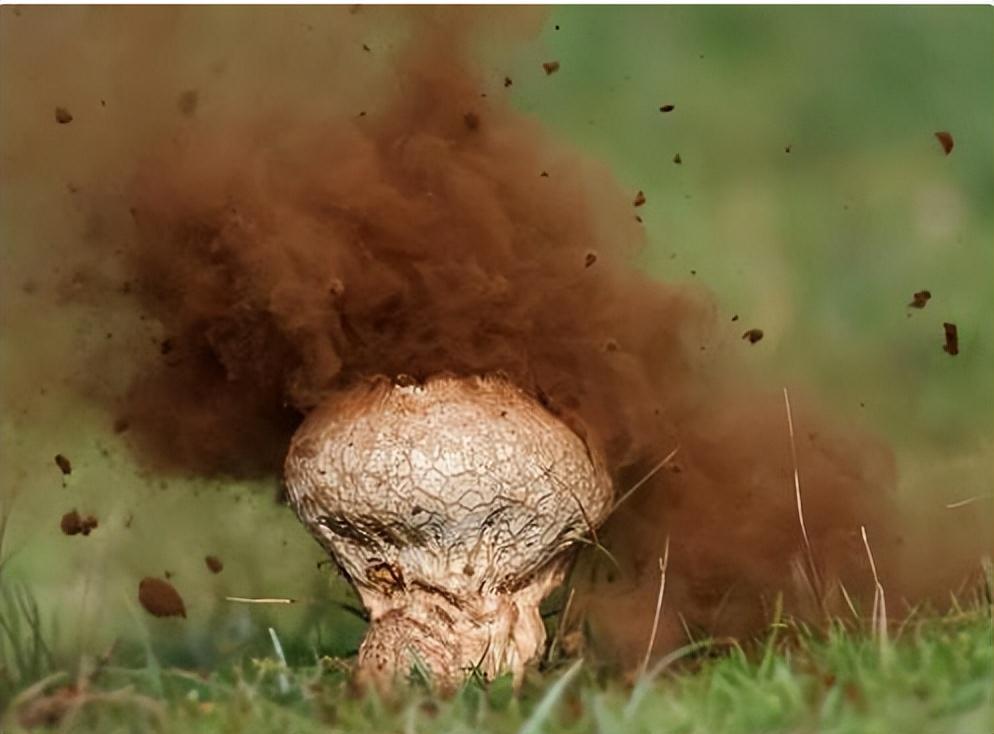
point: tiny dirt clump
(946, 141)
(73, 523)
(214, 564)
(753, 335)
(160, 598)
(920, 299)
(65, 466)
(951, 347)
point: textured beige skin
(453, 507)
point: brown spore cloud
(285, 248)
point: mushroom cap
(462, 484)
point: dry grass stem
(845, 595)
(261, 600)
(967, 501)
(816, 581)
(801, 574)
(560, 626)
(586, 518)
(649, 475)
(663, 563)
(879, 601)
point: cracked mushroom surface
(454, 507)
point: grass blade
(544, 708)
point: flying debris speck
(65, 466)
(920, 299)
(160, 598)
(214, 564)
(753, 335)
(73, 523)
(946, 141)
(951, 347)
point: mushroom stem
(453, 639)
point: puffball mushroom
(454, 507)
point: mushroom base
(452, 637)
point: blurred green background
(812, 198)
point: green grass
(932, 674)
(927, 672)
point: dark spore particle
(753, 335)
(951, 347)
(920, 299)
(946, 141)
(65, 466)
